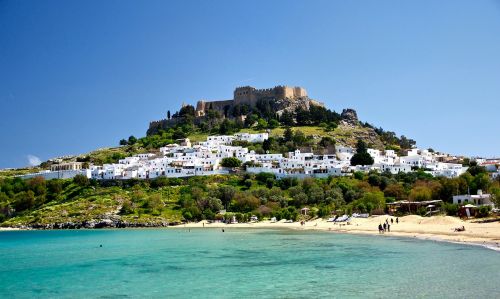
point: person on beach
(380, 229)
(392, 221)
(388, 227)
(397, 220)
(384, 226)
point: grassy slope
(344, 134)
(79, 204)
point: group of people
(386, 227)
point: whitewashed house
(479, 199)
(252, 138)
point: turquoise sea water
(239, 263)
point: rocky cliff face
(349, 117)
(288, 104)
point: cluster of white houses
(204, 158)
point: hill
(255, 110)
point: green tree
(361, 157)
(288, 134)
(231, 162)
(24, 200)
(495, 195)
(227, 127)
(38, 186)
(214, 204)
(155, 203)
(395, 190)
(273, 123)
(480, 182)
(251, 120)
(374, 179)
(55, 186)
(420, 193)
(127, 207)
(299, 138)
(179, 134)
(226, 194)
(316, 195)
(81, 180)
(287, 118)
(261, 124)
(245, 202)
(187, 111)
(474, 169)
(132, 140)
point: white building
(60, 174)
(480, 199)
(183, 159)
(252, 138)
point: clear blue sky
(79, 75)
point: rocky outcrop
(113, 221)
(350, 117)
(93, 224)
(291, 105)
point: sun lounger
(342, 218)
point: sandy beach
(438, 228)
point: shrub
(324, 211)
(127, 207)
(421, 211)
(81, 180)
(262, 177)
(230, 162)
(159, 182)
(483, 211)
(451, 209)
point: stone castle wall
(286, 98)
(249, 95)
(220, 106)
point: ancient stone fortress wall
(250, 95)
(286, 98)
(202, 106)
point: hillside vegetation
(315, 128)
(345, 135)
(81, 202)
